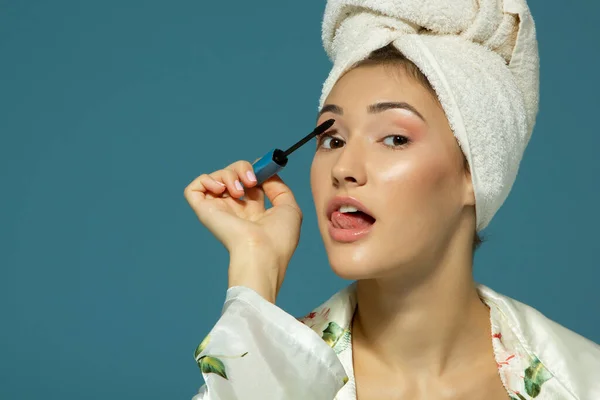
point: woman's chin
(353, 265)
(364, 258)
(351, 275)
(369, 261)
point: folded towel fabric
(480, 56)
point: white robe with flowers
(258, 351)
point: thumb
(278, 193)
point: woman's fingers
(200, 187)
(253, 201)
(235, 177)
(244, 172)
(227, 183)
(212, 184)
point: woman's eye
(396, 140)
(329, 142)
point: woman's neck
(424, 325)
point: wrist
(257, 272)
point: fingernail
(238, 185)
(220, 183)
(251, 176)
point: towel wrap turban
(481, 58)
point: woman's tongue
(356, 220)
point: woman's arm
(256, 350)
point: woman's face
(391, 148)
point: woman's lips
(347, 235)
(335, 203)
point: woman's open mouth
(347, 223)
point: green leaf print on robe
(211, 364)
(520, 397)
(201, 347)
(535, 376)
(336, 337)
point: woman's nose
(349, 166)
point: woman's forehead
(367, 85)
(363, 88)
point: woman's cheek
(402, 172)
(412, 182)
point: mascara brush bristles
(318, 130)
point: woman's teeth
(348, 209)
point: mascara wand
(272, 162)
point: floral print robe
(258, 351)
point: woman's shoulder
(571, 358)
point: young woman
(433, 107)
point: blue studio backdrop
(108, 109)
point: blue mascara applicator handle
(276, 159)
(269, 164)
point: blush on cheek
(415, 181)
(415, 171)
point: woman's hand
(260, 242)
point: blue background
(109, 109)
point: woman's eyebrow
(380, 107)
(330, 108)
(373, 108)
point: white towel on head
(480, 56)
